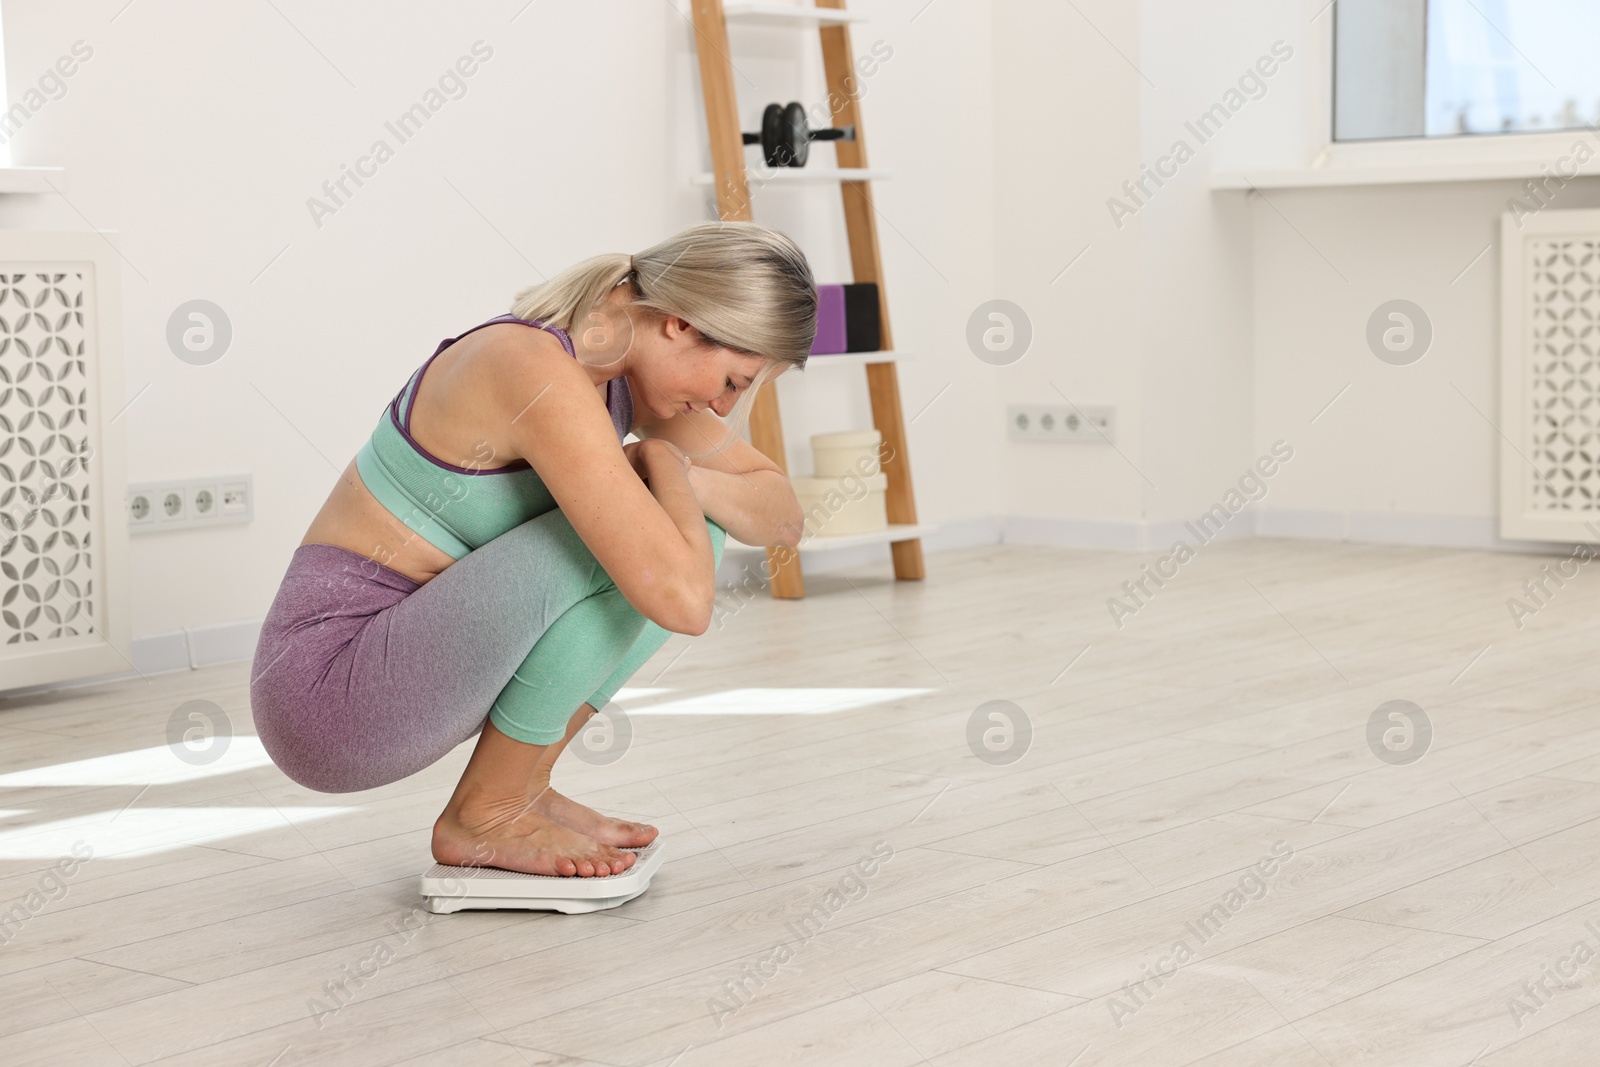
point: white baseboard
(1397, 528)
(235, 642)
(1367, 527)
(1134, 535)
(181, 650)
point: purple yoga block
(830, 321)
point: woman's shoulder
(510, 345)
(512, 358)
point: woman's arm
(739, 489)
(665, 472)
(757, 507)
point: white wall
(199, 132)
(1066, 135)
(1408, 450)
(1195, 254)
(1155, 317)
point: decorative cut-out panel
(47, 552)
(1563, 375)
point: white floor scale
(451, 889)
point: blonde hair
(740, 285)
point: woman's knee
(719, 537)
(548, 540)
(555, 524)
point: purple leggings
(362, 676)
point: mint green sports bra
(456, 509)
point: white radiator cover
(64, 582)
(1550, 376)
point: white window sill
(1557, 156)
(32, 179)
(1308, 177)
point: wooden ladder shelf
(733, 204)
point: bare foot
(591, 823)
(513, 837)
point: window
(1452, 68)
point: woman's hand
(636, 453)
(635, 459)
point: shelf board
(799, 175)
(803, 14)
(32, 179)
(895, 532)
(855, 359)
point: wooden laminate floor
(1201, 857)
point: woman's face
(675, 371)
(671, 368)
(685, 374)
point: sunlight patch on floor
(145, 766)
(787, 701)
(145, 831)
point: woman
(494, 562)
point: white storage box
(851, 452)
(850, 504)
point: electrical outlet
(188, 504)
(205, 503)
(141, 508)
(172, 504)
(1064, 423)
